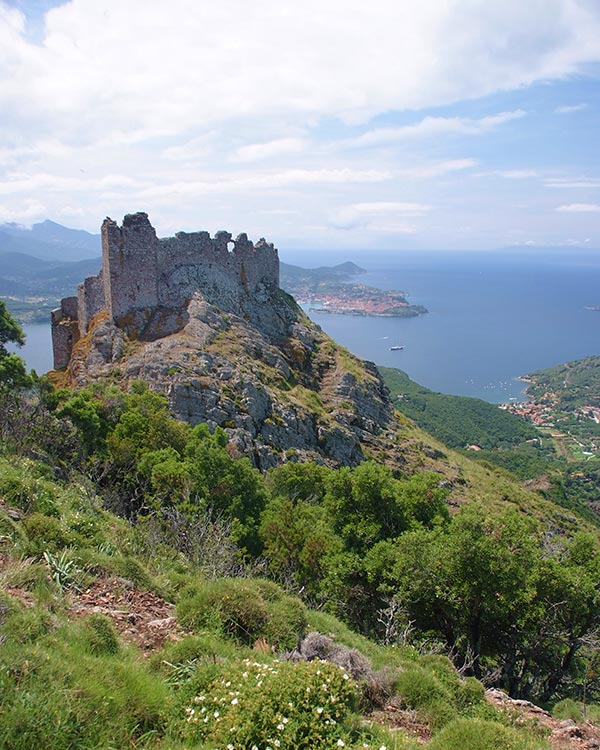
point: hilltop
(211, 328)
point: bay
(493, 316)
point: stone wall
(141, 273)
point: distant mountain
(291, 274)
(49, 241)
(23, 274)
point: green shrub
(568, 709)
(278, 704)
(246, 610)
(101, 564)
(419, 687)
(10, 532)
(100, 635)
(470, 693)
(26, 624)
(46, 533)
(57, 695)
(133, 570)
(477, 734)
(28, 493)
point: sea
(493, 316)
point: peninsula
(332, 290)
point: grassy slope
(71, 677)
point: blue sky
(323, 124)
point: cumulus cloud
(158, 68)
(196, 109)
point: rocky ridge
(279, 386)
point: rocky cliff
(243, 356)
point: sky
(389, 124)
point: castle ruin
(142, 274)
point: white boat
(396, 348)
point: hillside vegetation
(160, 592)
(507, 438)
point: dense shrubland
(105, 485)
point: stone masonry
(144, 278)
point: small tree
(13, 373)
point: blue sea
(493, 316)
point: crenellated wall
(141, 272)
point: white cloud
(517, 174)
(268, 150)
(433, 127)
(266, 180)
(240, 112)
(573, 182)
(579, 208)
(368, 214)
(435, 169)
(407, 209)
(163, 68)
(568, 108)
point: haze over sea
(493, 316)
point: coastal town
(356, 299)
(331, 290)
(564, 402)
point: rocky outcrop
(277, 384)
(204, 322)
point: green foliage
(478, 734)
(64, 571)
(84, 412)
(22, 486)
(456, 420)
(246, 610)
(45, 533)
(433, 687)
(100, 635)
(568, 709)
(58, 695)
(368, 504)
(281, 705)
(298, 539)
(13, 373)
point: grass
(72, 681)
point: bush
(100, 635)
(477, 734)
(280, 705)
(420, 688)
(57, 695)
(568, 709)
(246, 610)
(46, 533)
(25, 492)
(470, 693)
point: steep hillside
(110, 640)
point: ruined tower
(142, 274)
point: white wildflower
(340, 743)
(234, 702)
